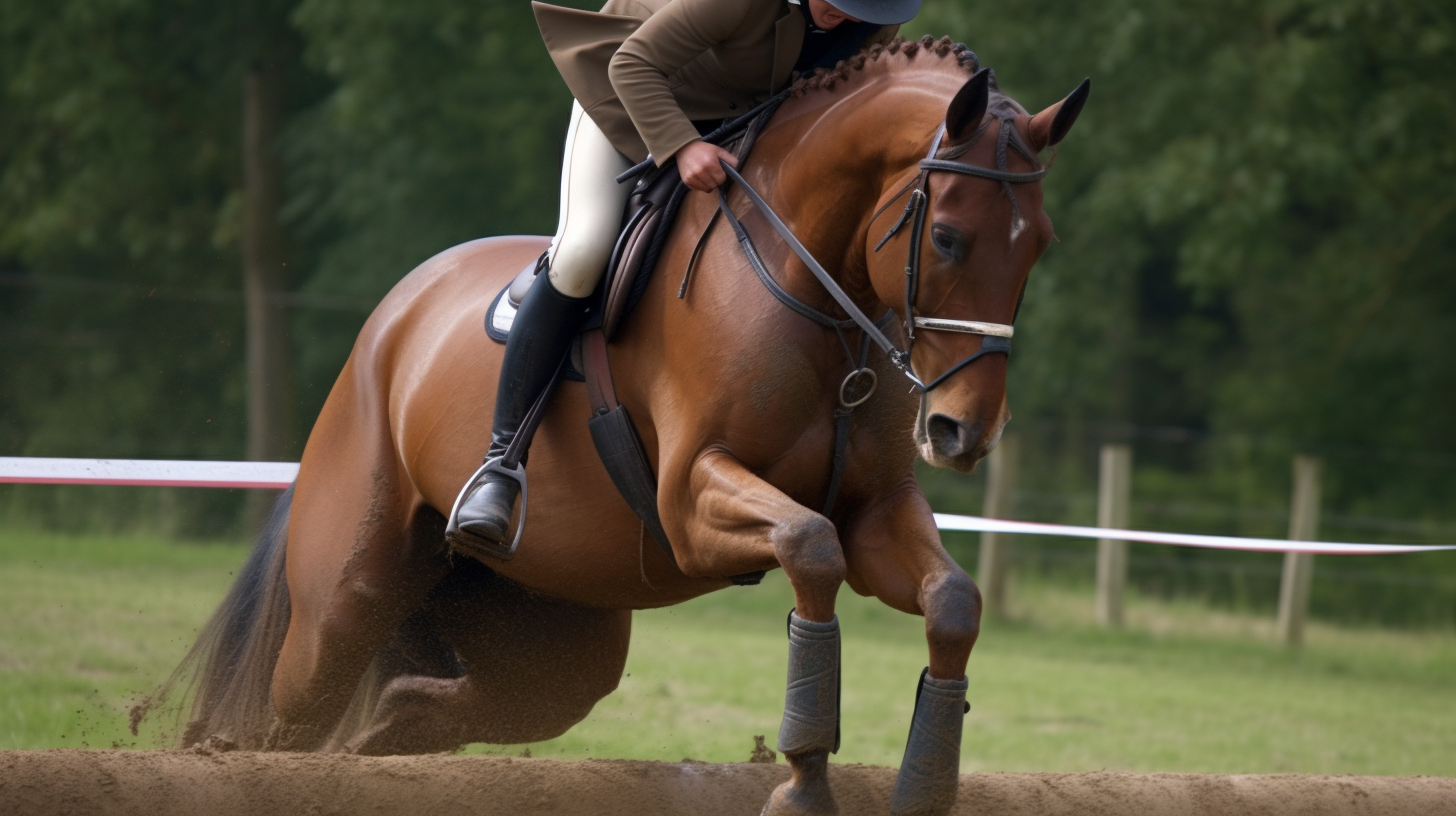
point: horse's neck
(843, 162)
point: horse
(354, 627)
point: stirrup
(517, 474)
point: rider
(648, 77)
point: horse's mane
(827, 79)
(901, 55)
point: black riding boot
(540, 337)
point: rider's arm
(642, 70)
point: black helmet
(879, 12)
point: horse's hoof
(813, 799)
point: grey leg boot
(540, 337)
(930, 772)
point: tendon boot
(929, 774)
(540, 337)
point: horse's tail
(228, 673)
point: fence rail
(279, 475)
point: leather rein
(997, 336)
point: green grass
(91, 622)
(88, 624)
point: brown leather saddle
(650, 213)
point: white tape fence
(279, 475)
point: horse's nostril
(950, 438)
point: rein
(996, 336)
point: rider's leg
(591, 207)
(591, 214)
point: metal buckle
(516, 474)
(901, 360)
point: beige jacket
(644, 69)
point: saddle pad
(502, 315)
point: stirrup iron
(517, 474)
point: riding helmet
(879, 12)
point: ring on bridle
(996, 337)
(860, 380)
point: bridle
(997, 336)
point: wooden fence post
(1299, 567)
(994, 562)
(1114, 488)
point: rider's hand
(698, 164)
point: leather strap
(521, 442)
(841, 449)
(599, 389)
(966, 326)
(766, 278)
(990, 344)
(983, 172)
(723, 131)
(899, 358)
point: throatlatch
(930, 771)
(811, 699)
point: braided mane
(826, 78)
(901, 54)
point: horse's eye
(948, 241)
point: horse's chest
(786, 385)
(777, 405)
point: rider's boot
(540, 337)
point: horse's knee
(809, 551)
(952, 605)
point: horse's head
(980, 234)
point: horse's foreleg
(894, 553)
(734, 522)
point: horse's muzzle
(951, 443)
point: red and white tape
(147, 472)
(279, 475)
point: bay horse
(354, 627)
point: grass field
(91, 623)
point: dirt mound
(127, 783)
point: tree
(120, 201)
(1254, 220)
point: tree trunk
(265, 273)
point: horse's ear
(969, 106)
(1051, 125)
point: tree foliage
(1254, 211)
(1256, 222)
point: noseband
(996, 336)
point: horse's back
(429, 323)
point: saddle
(647, 221)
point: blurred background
(201, 202)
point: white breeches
(591, 207)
